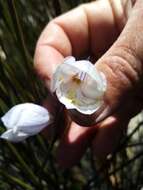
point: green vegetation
(31, 165)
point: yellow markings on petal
(76, 102)
(76, 80)
(61, 78)
(71, 96)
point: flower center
(79, 77)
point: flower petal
(13, 137)
(63, 73)
(10, 119)
(81, 86)
(33, 118)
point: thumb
(123, 67)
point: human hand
(110, 32)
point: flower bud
(24, 120)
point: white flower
(24, 120)
(79, 85)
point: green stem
(23, 163)
(16, 180)
(41, 142)
(20, 33)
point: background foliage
(31, 165)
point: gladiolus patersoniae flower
(79, 85)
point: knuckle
(126, 64)
(123, 70)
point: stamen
(82, 76)
(79, 77)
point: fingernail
(105, 113)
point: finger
(123, 67)
(73, 144)
(122, 64)
(55, 43)
(108, 137)
(88, 28)
(103, 138)
(59, 118)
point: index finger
(83, 31)
(62, 37)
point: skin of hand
(111, 33)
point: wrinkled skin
(111, 33)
